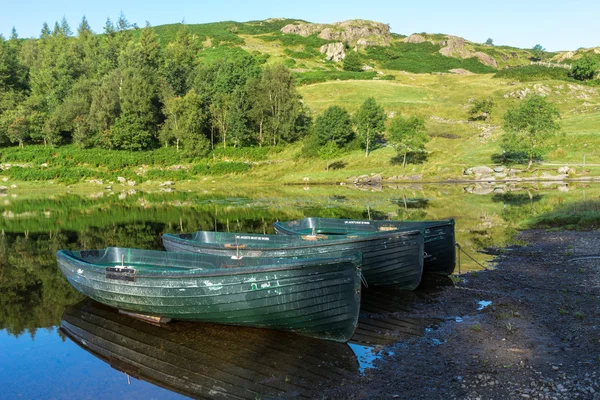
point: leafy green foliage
(585, 68)
(370, 122)
(530, 73)
(528, 127)
(352, 62)
(481, 108)
(538, 52)
(290, 40)
(308, 52)
(334, 125)
(329, 151)
(220, 168)
(408, 135)
(422, 58)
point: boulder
(121, 179)
(482, 170)
(333, 51)
(454, 46)
(131, 183)
(414, 38)
(167, 183)
(376, 179)
(363, 179)
(563, 170)
(499, 169)
(514, 171)
(460, 71)
(486, 59)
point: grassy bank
(456, 142)
(583, 215)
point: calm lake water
(56, 344)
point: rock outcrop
(414, 38)
(454, 46)
(333, 51)
(355, 32)
(486, 59)
(303, 29)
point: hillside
(303, 46)
(191, 86)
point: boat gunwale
(339, 240)
(294, 265)
(285, 228)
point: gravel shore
(539, 338)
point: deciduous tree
(334, 125)
(370, 122)
(408, 135)
(529, 126)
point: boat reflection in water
(204, 360)
(387, 314)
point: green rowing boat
(388, 258)
(440, 245)
(314, 297)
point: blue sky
(556, 25)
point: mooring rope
(583, 258)
(459, 247)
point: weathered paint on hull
(205, 360)
(319, 299)
(388, 259)
(440, 244)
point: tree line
(122, 89)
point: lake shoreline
(538, 338)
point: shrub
(220, 168)
(352, 62)
(585, 68)
(422, 58)
(533, 73)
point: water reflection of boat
(202, 360)
(389, 258)
(439, 236)
(385, 317)
(315, 297)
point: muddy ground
(539, 337)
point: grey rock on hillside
(455, 46)
(414, 38)
(355, 32)
(333, 51)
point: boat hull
(320, 298)
(391, 258)
(440, 244)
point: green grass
(309, 78)
(584, 215)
